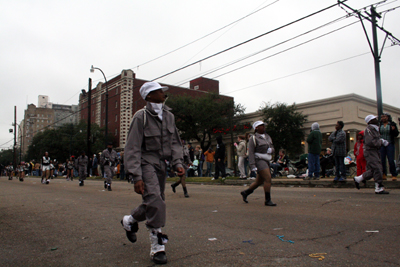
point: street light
(92, 70)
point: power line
(7, 142)
(236, 22)
(265, 49)
(211, 33)
(192, 42)
(249, 40)
(285, 50)
(300, 72)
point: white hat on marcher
(257, 123)
(149, 87)
(369, 118)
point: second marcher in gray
(109, 159)
(81, 164)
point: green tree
(6, 156)
(284, 125)
(67, 140)
(198, 117)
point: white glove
(384, 142)
(269, 151)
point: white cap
(369, 118)
(257, 123)
(149, 87)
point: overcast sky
(47, 48)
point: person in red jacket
(359, 153)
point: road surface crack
(359, 241)
(329, 202)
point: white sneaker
(127, 221)
(378, 188)
(155, 244)
(212, 179)
(359, 178)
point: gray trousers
(109, 171)
(374, 166)
(82, 173)
(241, 166)
(153, 207)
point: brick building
(124, 100)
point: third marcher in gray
(372, 145)
(260, 155)
(81, 164)
(108, 160)
(186, 165)
(338, 139)
(314, 141)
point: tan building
(35, 120)
(351, 109)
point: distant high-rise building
(45, 115)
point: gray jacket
(81, 162)
(338, 139)
(151, 140)
(261, 146)
(372, 139)
(107, 158)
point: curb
(316, 183)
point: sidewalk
(326, 182)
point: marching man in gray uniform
(81, 164)
(109, 160)
(186, 165)
(372, 145)
(153, 139)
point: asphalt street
(62, 224)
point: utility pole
(89, 153)
(15, 137)
(374, 47)
(377, 60)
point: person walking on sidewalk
(186, 164)
(109, 160)
(389, 132)
(152, 140)
(219, 159)
(82, 165)
(260, 155)
(241, 153)
(314, 141)
(338, 139)
(372, 145)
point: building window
(116, 104)
(104, 109)
(116, 91)
(92, 113)
(104, 121)
(116, 117)
(116, 132)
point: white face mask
(158, 108)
